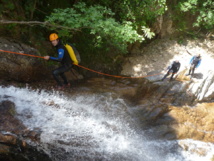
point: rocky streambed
(153, 106)
(158, 110)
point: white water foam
(94, 127)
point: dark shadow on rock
(147, 106)
(197, 75)
(154, 76)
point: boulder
(17, 67)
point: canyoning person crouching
(63, 58)
(172, 69)
(194, 63)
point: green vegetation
(203, 9)
(102, 30)
(99, 22)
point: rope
(22, 54)
(116, 76)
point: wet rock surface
(17, 67)
(14, 136)
(151, 105)
(178, 109)
(167, 113)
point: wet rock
(201, 151)
(7, 107)
(162, 108)
(8, 139)
(4, 149)
(19, 67)
(13, 146)
(185, 122)
(8, 121)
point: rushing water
(95, 127)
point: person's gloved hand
(46, 57)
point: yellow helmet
(53, 36)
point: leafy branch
(31, 23)
(203, 9)
(100, 22)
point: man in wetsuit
(63, 58)
(173, 69)
(194, 63)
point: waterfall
(94, 127)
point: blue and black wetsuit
(173, 68)
(195, 63)
(64, 58)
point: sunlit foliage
(203, 9)
(98, 21)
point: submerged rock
(14, 137)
